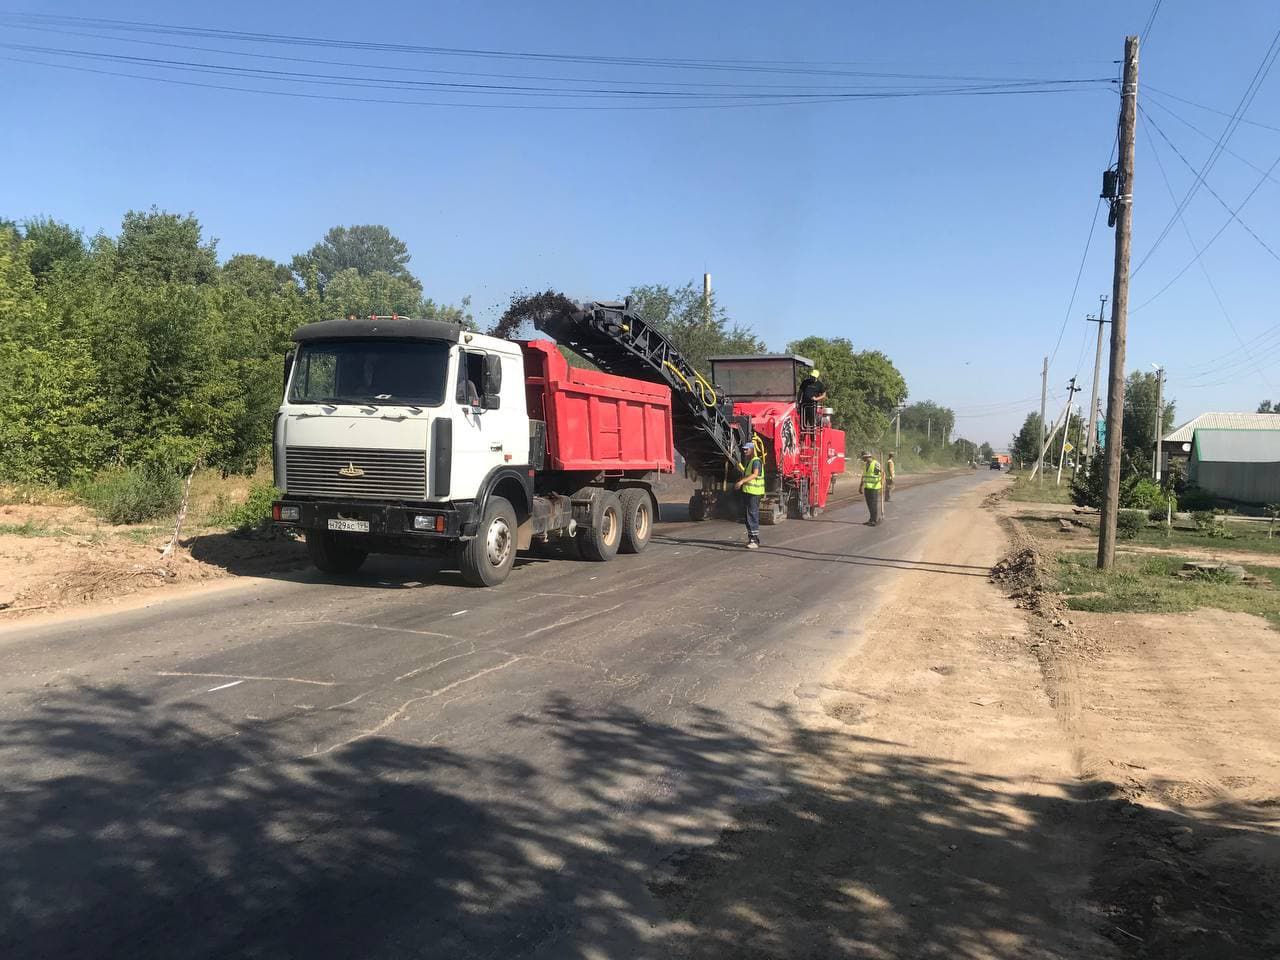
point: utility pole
(1159, 417)
(1091, 444)
(706, 298)
(897, 431)
(1066, 429)
(928, 428)
(1122, 211)
(1044, 397)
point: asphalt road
(401, 767)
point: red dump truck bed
(597, 421)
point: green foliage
(1146, 495)
(1140, 420)
(1129, 523)
(131, 494)
(985, 451)
(1147, 585)
(165, 247)
(862, 387)
(365, 249)
(1025, 445)
(699, 330)
(142, 350)
(253, 512)
(929, 418)
(1269, 406)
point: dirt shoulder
(995, 776)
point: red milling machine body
(803, 452)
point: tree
(51, 243)
(1025, 445)
(985, 451)
(697, 332)
(367, 249)
(1269, 406)
(165, 247)
(929, 418)
(1140, 420)
(862, 387)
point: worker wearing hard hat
(752, 487)
(870, 485)
(812, 392)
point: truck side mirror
(490, 401)
(288, 367)
(492, 374)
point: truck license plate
(351, 526)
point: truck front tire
(334, 553)
(637, 520)
(600, 540)
(487, 558)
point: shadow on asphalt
(798, 553)
(163, 841)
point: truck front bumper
(433, 521)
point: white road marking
(458, 613)
(374, 626)
(233, 683)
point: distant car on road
(995, 464)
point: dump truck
(410, 436)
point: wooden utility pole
(1123, 212)
(1159, 417)
(1066, 429)
(1091, 444)
(1044, 398)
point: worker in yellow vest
(752, 487)
(870, 485)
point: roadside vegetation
(1148, 584)
(127, 361)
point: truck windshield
(403, 372)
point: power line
(1146, 116)
(798, 67)
(1200, 106)
(1191, 240)
(1146, 31)
(1191, 126)
(1246, 100)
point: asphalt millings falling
(544, 311)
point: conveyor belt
(619, 341)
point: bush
(1144, 495)
(1129, 523)
(131, 494)
(1196, 500)
(255, 511)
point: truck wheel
(488, 557)
(637, 520)
(332, 554)
(697, 508)
(600, 540)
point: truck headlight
(429, 521)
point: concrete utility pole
(928, 428)
(1044, 398)
(1159, 416)
(897, 431)
(706, 298)
(1066, 429)
(1091, 444)
(1123, 212)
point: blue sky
(946, 232)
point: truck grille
(343, 472)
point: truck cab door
(491, 428)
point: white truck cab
(389, 426)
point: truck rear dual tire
(334, 553)
(637, 520)
(600, 541)
(487, 558)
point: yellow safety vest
(755, 487)
(871, 476)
